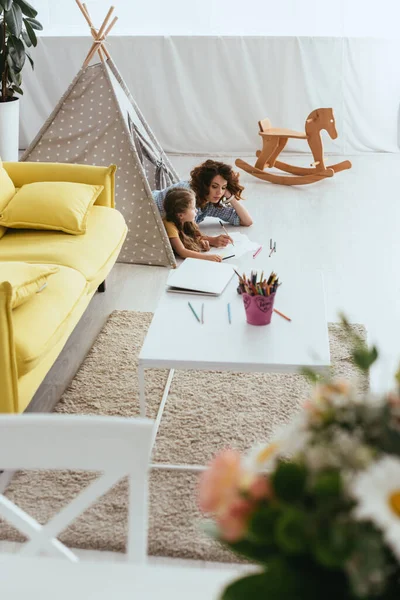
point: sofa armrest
(8, 364)
(30, 172)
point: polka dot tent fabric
(97, 122)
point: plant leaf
(26, 39)
(251, 586)
(6, 4)
(30, 32)
(291, 531)
(289, 480)
(30, 60)
(18, 90)
(27, 8)
(14, 20)
(16, 51)
(34, 23)
(14, 77)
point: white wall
(229, 17)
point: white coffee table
(175, 339)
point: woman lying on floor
(214, 183)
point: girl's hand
(220, 241)
(205, 244)
(213, 257)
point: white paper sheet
(242, 246)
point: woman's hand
(213, 257)
(205, 244)
(220, 241)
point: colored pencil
(229, 314)
(194, 312)
(271, 252)
(202, 313)
(231, 256)
(222, 225)
(257, 252)
(282, 315)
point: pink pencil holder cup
(258, 308)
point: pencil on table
(223, 227)
(202, 313)
(194, 312)
(229, 313)
(282, 315)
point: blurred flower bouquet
(319, 507)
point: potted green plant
(17, 34)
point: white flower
(287, 441)
(377, 491)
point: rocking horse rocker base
(274, 140)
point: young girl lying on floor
(184, 235)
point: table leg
(142, 396)
(162, 404)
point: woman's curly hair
(202, 176)
(177, 200)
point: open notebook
(196, 276)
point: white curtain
(205, 94)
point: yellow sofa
(33, 334)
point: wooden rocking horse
(274, 141)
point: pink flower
(260, 488)
(231, 494)
(220, 484)
(233, 523)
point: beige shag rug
(205, 412)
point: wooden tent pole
(115, 19)
(98, 43)
(93, 31)
(104, 24)
(98, 36)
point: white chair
(116, 446)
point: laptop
(196, 276)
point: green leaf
(262, 524)
(30, 32)
(311, 375)
(6, 4)
(249, 587)
(18, 90)
(30, 60)
(328, 485)
(364, 358)
(333, 545)
(254, 551)
(291, 531)
(27, 8)
(14, 20)
(16, 51)
(26, 39)
(289, 480)
(15, 77)
(34, 23)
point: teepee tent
(98, 122)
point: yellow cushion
(7, 188)
(29, 172)
(41, 323)
(87, 253)
(2, 231)
(26, 279)
(59, 205)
